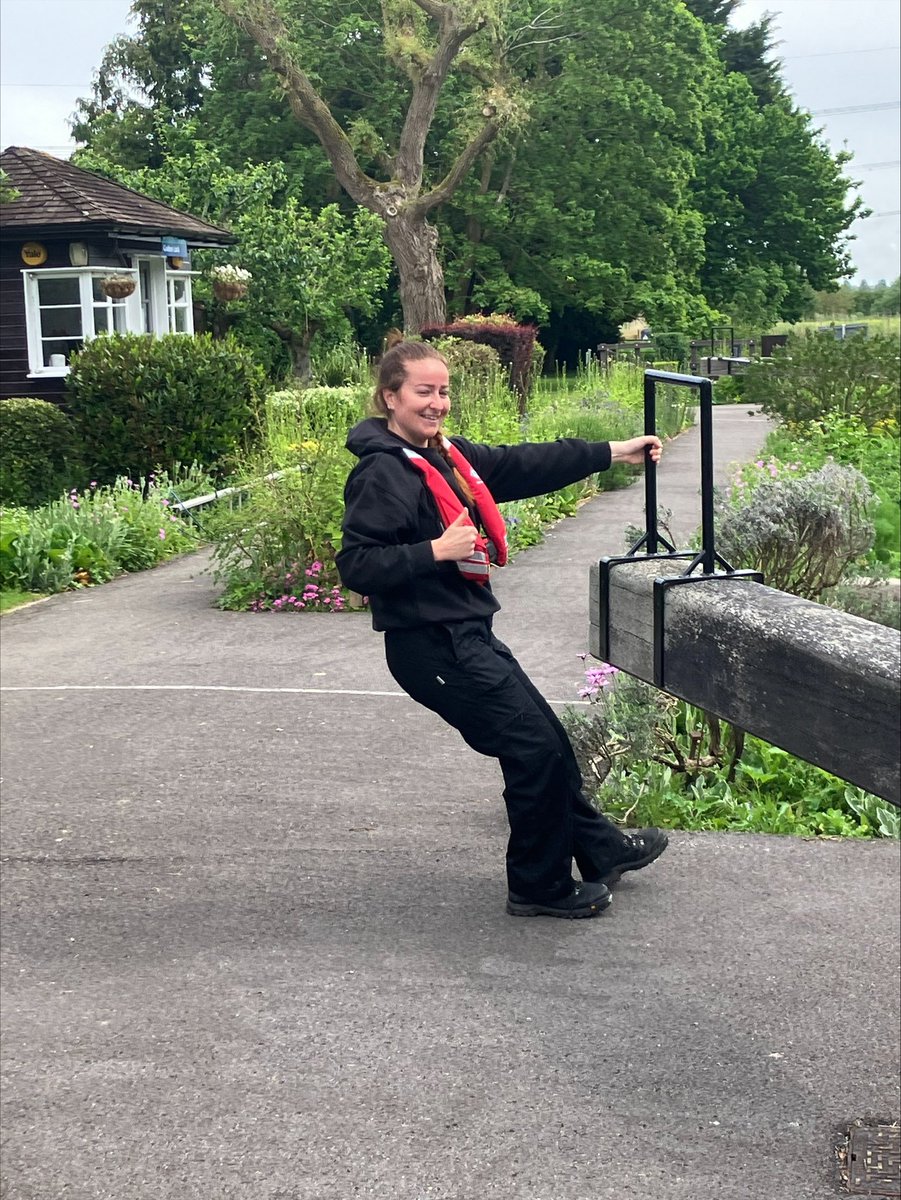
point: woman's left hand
(637, 450)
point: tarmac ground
(254, 944)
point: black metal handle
(708, 556)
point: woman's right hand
(457, 541)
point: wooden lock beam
(820, 683)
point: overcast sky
(837, 55)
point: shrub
(474, 360)
(651, 759)
(674, 346)
(514, 344)
(874, 452)
(802, 532)
(305, 413)
(38, 451)
(89, 537)
(816, 373)
(289, 521)
(340, 364)
(143, 403)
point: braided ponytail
(437, 443)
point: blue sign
(175, 247)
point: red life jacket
(477, 565)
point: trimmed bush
(317, 411)
(145, 403)
(38, 451)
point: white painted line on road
(212, 687)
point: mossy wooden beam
(821, 684)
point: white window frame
(162, 305)
(185, 305)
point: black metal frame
(652, 538)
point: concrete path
(254, 945)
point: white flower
(228, 273)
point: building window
(181, 316)
(60, 318)
(110, 316)
(64, 308)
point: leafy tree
(774, 203)
(569, 163)
(420, 41)
(309, 270)
(746, 51)
(589, 208)
(7, 192)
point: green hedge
(39, 456)
(145, 403)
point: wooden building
(61, 239)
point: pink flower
(162, 535)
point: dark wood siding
(14, 379)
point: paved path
(254, 945)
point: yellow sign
(33, 254)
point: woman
(411, 544)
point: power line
(877, 166)
(856, 108)
(829, 53)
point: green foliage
(649, 759)
(469, 362)
(7, 192)
(729, 389)
(39, 454)
(803, 532)
(881, 299)
(816, 374)
(340, 364)
(288, 522)
(875, 452)
(142, 403)
(672, 346)
(90, 537)
(873, 599)
(691, 183)
(296, 415)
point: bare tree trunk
(413, 241)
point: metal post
(650, 472)
(707, 537)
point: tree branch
(427, 88)
(262, 24)
(446, 188)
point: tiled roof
(55, 193)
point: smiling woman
(421, 532)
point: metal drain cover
(874, 1160)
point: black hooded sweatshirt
(391, 519)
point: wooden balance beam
(822, 684)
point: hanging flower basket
(117, 287)
(229, 282)
(228, 291)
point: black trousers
(470, 679)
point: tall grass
(889, 326)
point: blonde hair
(391, 376)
